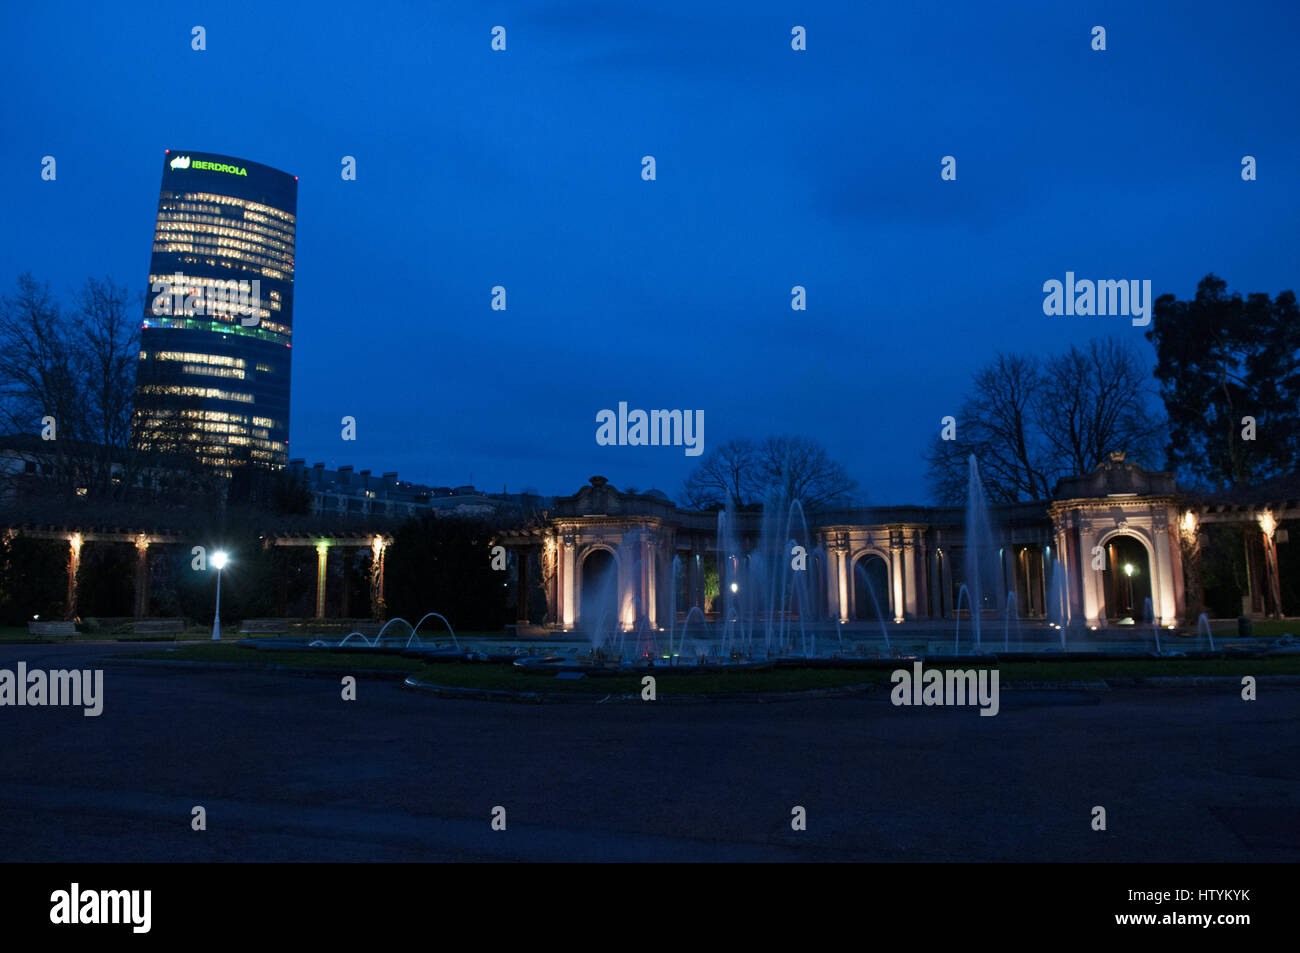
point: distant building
(346, 491)
(213, 373)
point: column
(1163, 607)
(569, 591)
(1272, 578)
(896, 576)
(651, 589)
(322, 556)
(378, 553)
(1089, 578)
(909, 576)
(141, 576)
(922, 563)
(1077, 572)
(74, 564)
(842, 579)
(551, 576)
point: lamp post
(219, 559)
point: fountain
(982, 559)
(1149, 616)
(861, 573)
(1203, 622)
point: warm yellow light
(1267, 523)
(1189, 524)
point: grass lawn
(500, 676)
(13, 634)
(1259, 628)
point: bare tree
(996, 424)
(741, 473)
(799, 468)
(1095, 401)
(727, 476)
(109, 342)
(1030, 421)
(68, 377)
(38, 376)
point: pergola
(144, 529)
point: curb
(1192, 681)
(538, 698)
(377, 673)
(503, 695)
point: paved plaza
(286, 770)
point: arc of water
(871, 591)
(431, 615)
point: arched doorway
(1126, 581)
(870, 588)
(598, 600)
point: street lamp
(219, 559)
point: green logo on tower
(184, 162)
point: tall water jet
(981, 559)
(1058, 605)
(1203, 622)
(1149, 615)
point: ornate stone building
(1108, 548)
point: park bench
(51, 628)
(264, 627)
(158, 627)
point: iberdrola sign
(184, 162)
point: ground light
(219, 560)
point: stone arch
(859, 610)
(1115, 604)
(588, 612)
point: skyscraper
(215, 346)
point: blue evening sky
(775, 168)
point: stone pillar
(378, 553)
(841, 551)
(1076, 570)
(74, 564)
(1272, 578)
(896, 576)
(141, 576)
(322, 558)
(922, 563)
(551, 577)
(569, 592)
(909, 576)
(651, 574)
(1164, 608)
(1090, 578)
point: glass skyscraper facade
(216, 341)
